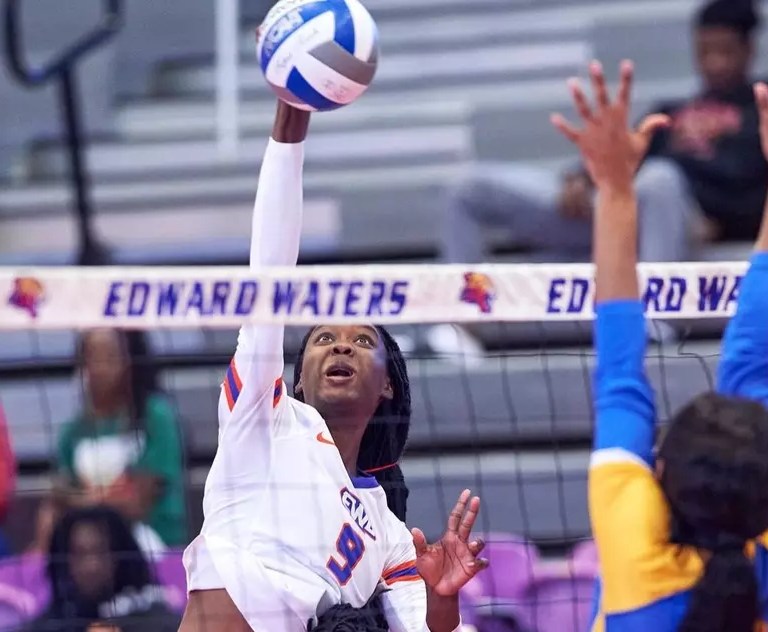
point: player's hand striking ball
(452, 561)
(612, 151)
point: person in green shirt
(124, 449)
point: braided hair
(715, 480)
(345, 618)
(131, 569)
(739, 15)
(141, 380)
(385, 436)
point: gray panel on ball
(334, 56)
(284, 94)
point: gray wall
(33, 113)
(154, 30)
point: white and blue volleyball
(318, 55)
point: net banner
(224, 297)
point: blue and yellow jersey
(645, 580)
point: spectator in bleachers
(705, 177)
(100, 578)
(123, 449)
(7, 478)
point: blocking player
(292, 526)
(674, 533)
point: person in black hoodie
(714, 136)
(705, 176)
(100, 579)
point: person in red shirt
(7, 477)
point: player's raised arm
(254, 376)
(744, 364)
(612, 152)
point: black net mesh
(514, 426)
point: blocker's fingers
(761, 96)
(627, 72)
(565, 127)
(652, 123)
(598, 84)
(580, 99)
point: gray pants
(525, 201)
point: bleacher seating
(451, 88)
(459, 81)
(509, 401)
(518, 586)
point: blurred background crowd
(106, 436)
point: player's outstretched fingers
(651, 124)
(419, 542)
(598, 84)
(626, 73)
(579, 99)
(468, 521)
(565, 128)
(457, 513)
(761, 97)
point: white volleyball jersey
(287, 532)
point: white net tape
(221, 297)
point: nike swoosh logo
(322, 439)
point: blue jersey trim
(363, 481)
(663, 615)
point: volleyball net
(220, 297)
(513, 424)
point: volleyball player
(674, 533)
(292, 526)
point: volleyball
(318, 55)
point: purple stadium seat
(512, 563)
(564, 603)
(171, 575)
(584, 557)
(17, 606)
(26, 574)
(492, 601)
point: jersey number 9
(350, 547)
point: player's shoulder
(294, 418)
(306, 416)
(397, 531)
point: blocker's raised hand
(611, 149)
(761, 98)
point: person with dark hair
(124, 449)
(99, 576)
(675, 530)
(305, 499)
(385, 436)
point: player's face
(344, 371)
(90, 561)
(723, 56)
(105, 361)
